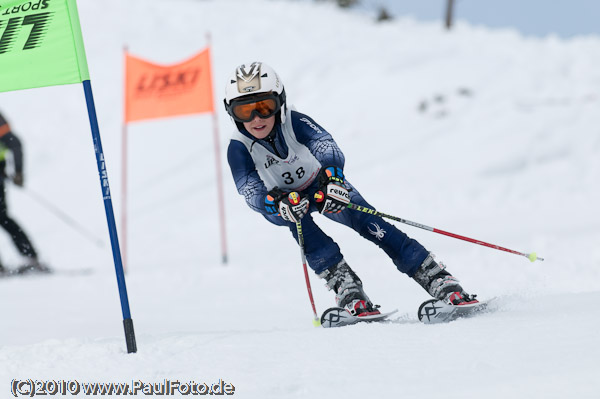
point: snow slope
(479, 132)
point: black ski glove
(332, 197)
(290, 206)
(18, 179)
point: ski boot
(348, 289)
(440, 284)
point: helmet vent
(248, 79)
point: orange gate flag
(158, 91)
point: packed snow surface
(483, 133)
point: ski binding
(435, 311)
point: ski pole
(532, 256)
(64, 217)
(316, 321)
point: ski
(339, 317)
(24, 271)
(434, 311)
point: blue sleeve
(318, 140)
(245, 176)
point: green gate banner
(40, 44)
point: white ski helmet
(251, 79)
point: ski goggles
(245, 109)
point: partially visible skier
(10, 142)
(281, 158)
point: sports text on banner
(157, 91)
(40, 44)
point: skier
(281, 159)
(10, 142)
